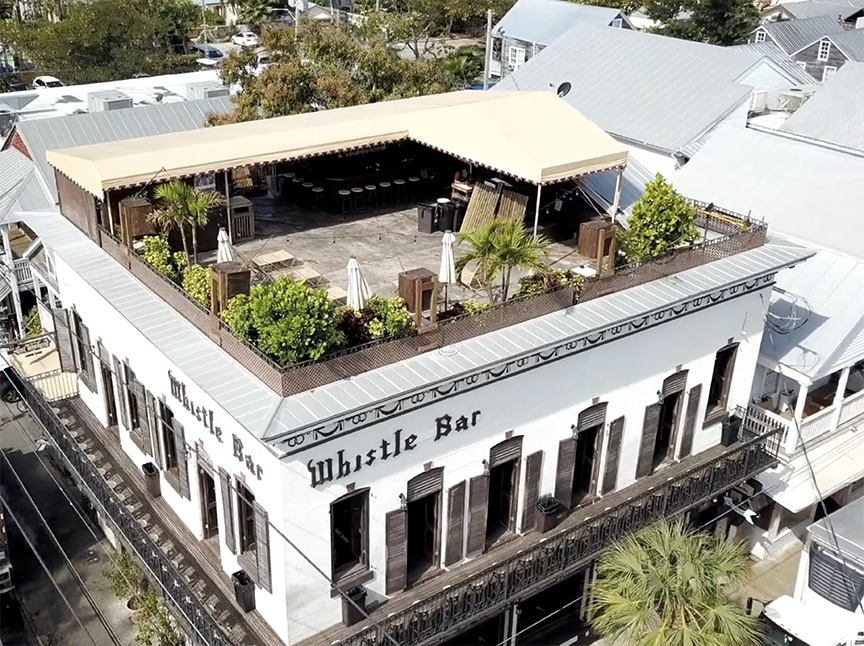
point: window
(349, 534)
(246, 518)
(134, 411)
(760, 36)
(166, 417)
(82, 348)
(824, 50)
(802, 65)
(669, 414)
(616, 23)
(721, 379)
(515, 57)
(828, 72)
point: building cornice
(359, 419)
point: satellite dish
(563, 89)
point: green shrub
(473, 307)
(288, 321)
(661, 220)
(390, 318)
(157, 254)
(32, 323)
(196, 283)
(541, 282)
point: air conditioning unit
(793, 98)
(759, 101)
(105, 100)
(205, 90)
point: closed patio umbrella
(447, 272)
(225, 252)
(358, 290)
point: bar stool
(386, 194)
(347, 203)
(296, 187)
(371, 195)
(413, 182)
(320, 200)
(359, 204)
(399, 187)
(307, 187)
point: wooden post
(487, 59)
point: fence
(22, 271)
(56, 385)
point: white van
(788, 622)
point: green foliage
(498, 248)
(382, 318)
(474, 307)
(253, 12)
(463, 66)
(125, 577)
(661, 220)
(718, 22)
(156, 627)
(196, 283)
(290, 322)
(157, 254)
(32, 323)
(182, 207)
(540, 282)
(668, 584)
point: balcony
(23, 274)
(480, 589)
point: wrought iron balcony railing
(458, 607)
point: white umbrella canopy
(358, 290)
(225, 252)
(447, 272)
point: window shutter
(396, 577)
(227, 510)
(613, 453)
(151, 411)
(675, 383)
(564, 472)
(87, 359)
(63, 338)
(478, 510)
(591, 417)
(455, 524)
(425, 484)
(143, 418)
(182, 457)
(690, 421)
(649, 434)
(262, 546)
(505, 451)
(122, 404)
(533, 466)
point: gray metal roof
(848, 527)
(638, 86)
(816, 312)
(545, 21)
(267, 416)
(601, 187)
(810, 9)
(21, 187)
(794, 35)
(780, 58)
(42, 135)
(771, 175)
(836, 112)
(850, 43)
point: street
(25, 473)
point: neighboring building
(661, 97)
(412, 470)
(821, 45)
(782, 60)
(532, 25)
(766, 174)
(846, 14)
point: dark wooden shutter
(182, 457)
(87, 359)
(650, 424)
(143, 419)
(151, 410)
(425, 484)
(227, 510)
(396, 577)
(122, 404)
(564, 472)
(591, 417)
(505, 451)
(690, 420)
(63, 338)
(613, 453)
(675, 383)
(262, 547)
(455, 524)
(533, 471)
(478, 511)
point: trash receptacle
(730, 430)
(352, 614)
(244, 590)
(458, 216)
(151, 479)
(446, 216)
(427, 218)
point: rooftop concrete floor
(385, 243)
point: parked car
(208, 51)
(46, 81)
(245, 39)
(12, 84)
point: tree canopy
(717, 22)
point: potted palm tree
(182, 206)
(550, 513)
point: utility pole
(488, 58)
(204, 22)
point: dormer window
(760, 36)
(824, 50)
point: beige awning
(532, 136)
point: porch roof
(816, 317)
(845, 527)
(534, 137)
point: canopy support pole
(616, 200)
(228, 209)
(537, 209)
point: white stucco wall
(653, 161)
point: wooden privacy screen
(488, 203)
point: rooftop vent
(793, 98)
(106, 100)
(205, 90)
(19, 101)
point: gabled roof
(42, 135)
(781, 59)
(545, 21)
(772, 176)
(816, 316)
(851, 43)
(836, 112)
(640, 87)
(794, 35)
(21, 187)
(811, 9)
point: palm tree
(669, 585)
(463, 66)
(498, 248)
(200, 205)
(182, 206)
